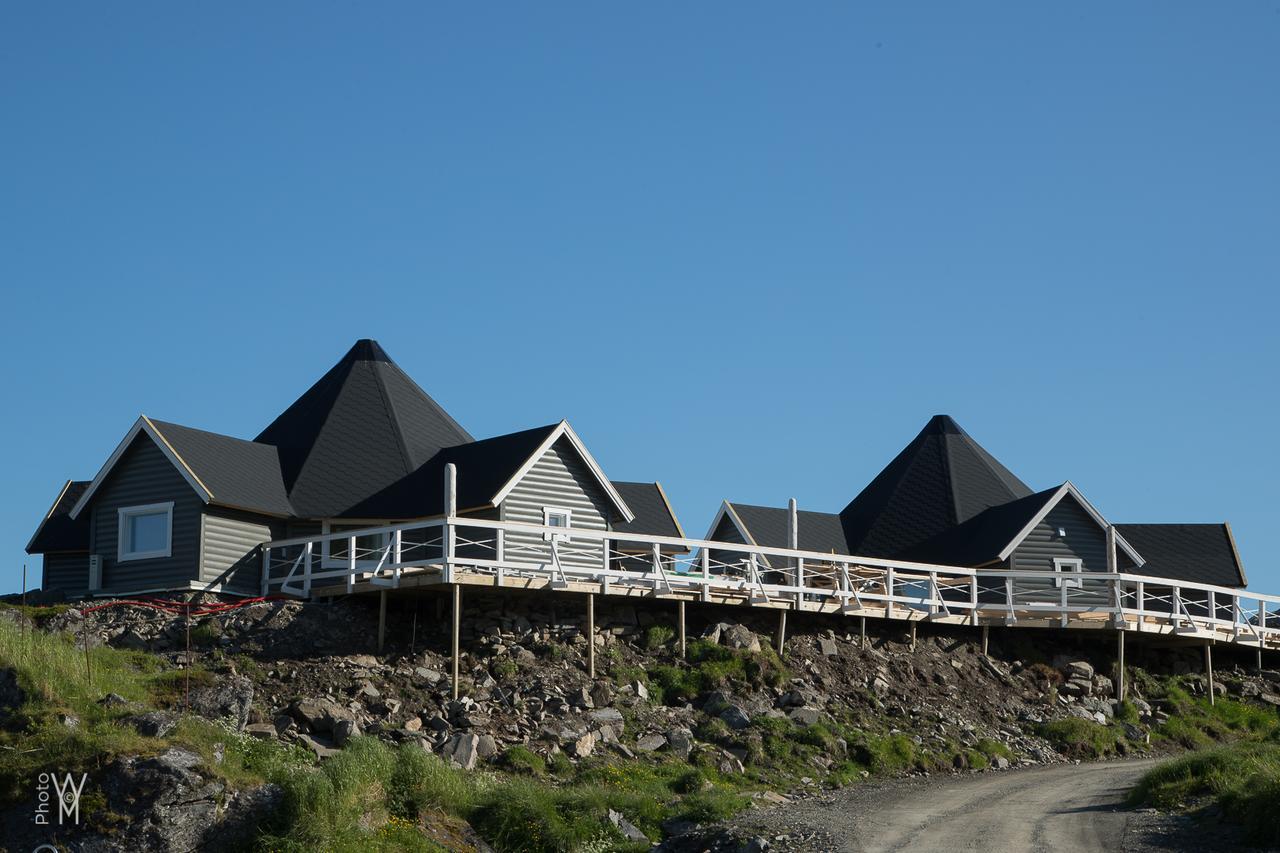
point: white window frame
(547, 512)
(124, 513)
(1068, 564)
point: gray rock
(261, 731)
(680, 742)
(736, 717)
(828, 647)
(628, 829)
(157, 724)
(583, 745)
(1079, 669)
(486, 746)
(650, 743)
(345, 730)
(321, 748)
(111, 700)
(805, 716)
(740, 637)
(602, 694)
(608, 716)
(462, 750)
(229, 699)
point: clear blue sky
(746, 249)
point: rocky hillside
(753, 726)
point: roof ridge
(392, 415)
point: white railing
(627, 563)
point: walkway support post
(862, 631)
(1120, 665)
(457, 630)
(591, 635)
(782, 631)
(986, 640)
(1208, 668)
(680, 618)
(382, 620)
(913, 635)
(1259, 655)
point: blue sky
(746, 249)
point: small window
(556, 517)
(145, 532)
(1067, 564)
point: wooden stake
(862, 631)
(187, 674)
(88, 668)
(782, 631)
(382, 620)
(1208, 669)
(22, 623)
(591, 635)
(457, 629)
(913, 636)
(986, 640)
(1120, 665)
(680, 619)
(413, 634)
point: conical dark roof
(364, 425)
(941, 479)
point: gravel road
(1061, 807)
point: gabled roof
(941, 479)
(362, 427)
(1200, 553)
(220, 469)
(58, 531)
(654, 515)
(487, 470)
(994, 534)
(766, 526)
(238, 473)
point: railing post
(396, 540)
(888, 590)
(1062, 601)
(1175, 605)
(657, 566)
(800, 582)
(266, 570)
(704, 557)
(1008, 597)
(1213, 609)
(1142, 603)
(934, 593)
(351, 564)
(306, 568)
(500, 545)
(450, 510)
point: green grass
(658, 637)
(1080, 738)
(1243, 778)
(711, 666)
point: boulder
(827, 647)
(1079, 669)
(345, 730)
(261, 731)
(650, 743)
(582, 746)
(229, 699)
(321, 748)
(805, 716)
(157, 724)
(680, 742)
(486, 746)
(462, 750)
(608, 716)
(628, 829)
(740, 637)
(736, 717)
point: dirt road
(1060, 807)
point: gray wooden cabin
(179, 509)
(945, 500)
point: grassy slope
(375, 796)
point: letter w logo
(69, 796)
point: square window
(1064, 564)
(145, 532)
(556, 517)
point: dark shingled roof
(483, 468)
(941, 479)
(1199, 553)
(59, 531)
(654, 515)
(236, 472)
(979, 540)
(363, 426)
(818, 531)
